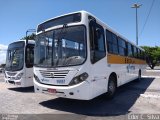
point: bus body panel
(28, 77)
(25, 81)
(81, 91)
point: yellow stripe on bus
(117, 59)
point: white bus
(19, 63)
(79, 57)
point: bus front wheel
(111, 87)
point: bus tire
(112, 86)
(139, 76)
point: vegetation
(29, 37)
(152, 55)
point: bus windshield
(15, 56)
(61, 47)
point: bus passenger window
(122, 46)
(130, 50)
(135, 52)
(111, 42)
(138, 53)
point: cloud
(3, 50)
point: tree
(29, 37)
(152, 55)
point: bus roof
(29, 41)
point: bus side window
(135, 52)
(139, 54)
(97, 42)
(112, 43)
(142, 55)
(130, 50)
(122, 47)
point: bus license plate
(51, 90)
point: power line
(147, 18)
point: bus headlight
(36, 78)
(19, 76)
(78, 79)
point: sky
(17, 16)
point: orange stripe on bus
(117, 59)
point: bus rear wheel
(139, 76)
(112, 86)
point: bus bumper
(17, 83)
(80, 91)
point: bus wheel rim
(111, 87)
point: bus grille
(11, 73)
(54, 74)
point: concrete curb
(150, 76)
(152, 70)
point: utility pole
(136, 6)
